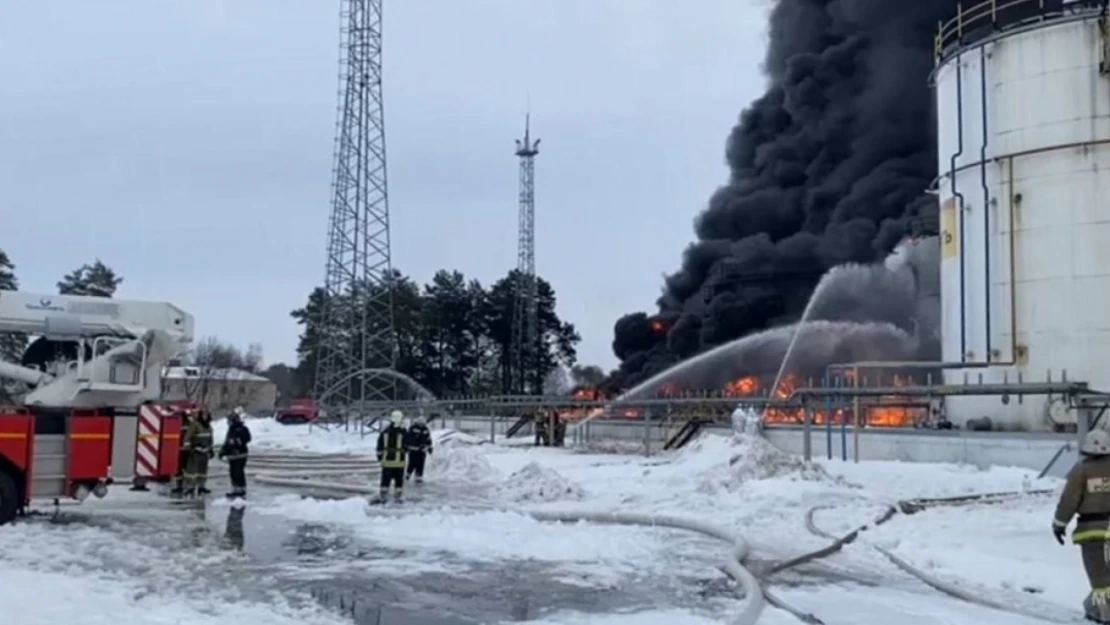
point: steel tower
(525, 328)
(356, 327)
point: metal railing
(835, 401)
(979, 19)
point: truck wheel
(9, 499)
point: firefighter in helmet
(198, 450)
(391, 450)
(419, 443)
(188, 415)
(235, 451)
(539, 426)
(1086, 495)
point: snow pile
(754, 458)
(537, 483)
(615, 447)
(456, 437)
(460, 462)
(729, 462)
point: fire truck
(85, 392)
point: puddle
(243, 551)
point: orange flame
(881, 415)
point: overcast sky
(188, 144)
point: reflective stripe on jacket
(391, 448)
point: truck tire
(9, 498)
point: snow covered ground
(103, 570)
(481, 551)
(1004, 549)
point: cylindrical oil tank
(1023, 122)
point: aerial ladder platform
(87, 387)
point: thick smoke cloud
(828, 167)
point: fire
(587, 394)
(887, 411)
(658, 326)
(744, 387)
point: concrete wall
(1031, 451)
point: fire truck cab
(86, 390)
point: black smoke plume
(828, 167)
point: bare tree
(216, 374)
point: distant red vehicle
(300, 411)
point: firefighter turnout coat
(1086, 495)
(419, 439)
(392, 445)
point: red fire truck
(86, 388)
(299, 411)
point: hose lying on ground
(733, 568)
(752, 602)
(948, 588)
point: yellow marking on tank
(12, 436)
(90, 437)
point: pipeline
(956, 194)
(986, 199)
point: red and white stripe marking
(150, 440)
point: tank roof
(976, 22)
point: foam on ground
(455, 459)
(728, 462)
(536, 483)
(97, 576)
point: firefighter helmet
(396, 417)
(1096, 443)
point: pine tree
(95, 280)
(11, 344)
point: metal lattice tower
(356, 323)
(525, 328)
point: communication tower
(356, 321)
(525, 326)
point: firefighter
(235, 451)
(419, 444)
(539, 424)
(182, 453)
(1087, 495)
(560, 429)
(198, 445)
(391, 457)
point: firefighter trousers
(416, 463)
(394, 476)
(195, 475)
(237, 467)
(1096, 562)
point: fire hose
(293, 471)
(948, 588)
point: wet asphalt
(248, 553)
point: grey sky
(189, 145)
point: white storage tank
(1023, 118)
